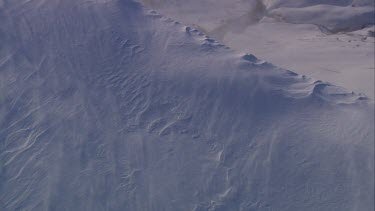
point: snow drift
(107, 106)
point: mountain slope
(327, 40)
(107, 106)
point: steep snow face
(328, 40)
(107, 106)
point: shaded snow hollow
(107, 106)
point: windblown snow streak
(107, 106)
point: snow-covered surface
(346, 59)
(326, 39)
(105, 105)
